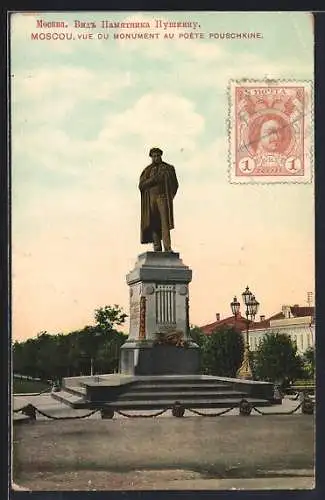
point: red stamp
(270, 131)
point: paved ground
(163, 453)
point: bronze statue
(158, 186)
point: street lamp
(252, 305)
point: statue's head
(155, 154)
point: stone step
(77, 390)
(69, 399)
(162, 387)
(175, 395)
(178, 379)
(80, 403)
(197, 403)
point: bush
(276, 360)
(222, 352)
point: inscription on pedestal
(135, 314)
(142, 327)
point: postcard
(162, 187)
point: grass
(21, 386)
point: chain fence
(143, 415)
(295, 397)
(218, 414)
(177, 409)
(30, 411)
(291, 412)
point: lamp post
(249, 300)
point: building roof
(278, 315)
(240, 323)
(257, 325)
(302, 311)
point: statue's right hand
(153, 181)
(145, 185)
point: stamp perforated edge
(267, 180)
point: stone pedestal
(159, 302)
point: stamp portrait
(270, 131)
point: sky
(84, 114)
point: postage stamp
(270, 131)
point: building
(237, 322)
(298, 322)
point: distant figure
(158, 186)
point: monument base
(138, 358)
(157, 392)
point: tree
(197, 335)
(92, 348)
(36, 357)
(109, 339)
(100, 344)
(108, 317)
(108, 355)
(24, 358)
(276, 360)
(19, 358)
(309, 362)
(46, 356)
(222, 352)
(90, 339)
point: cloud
(198, 74)
(67, 82)
(47, 111)
(162, 119)
(48, 147)
(259, 67)
(43, 99)
(157, 118)
(211, 158)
